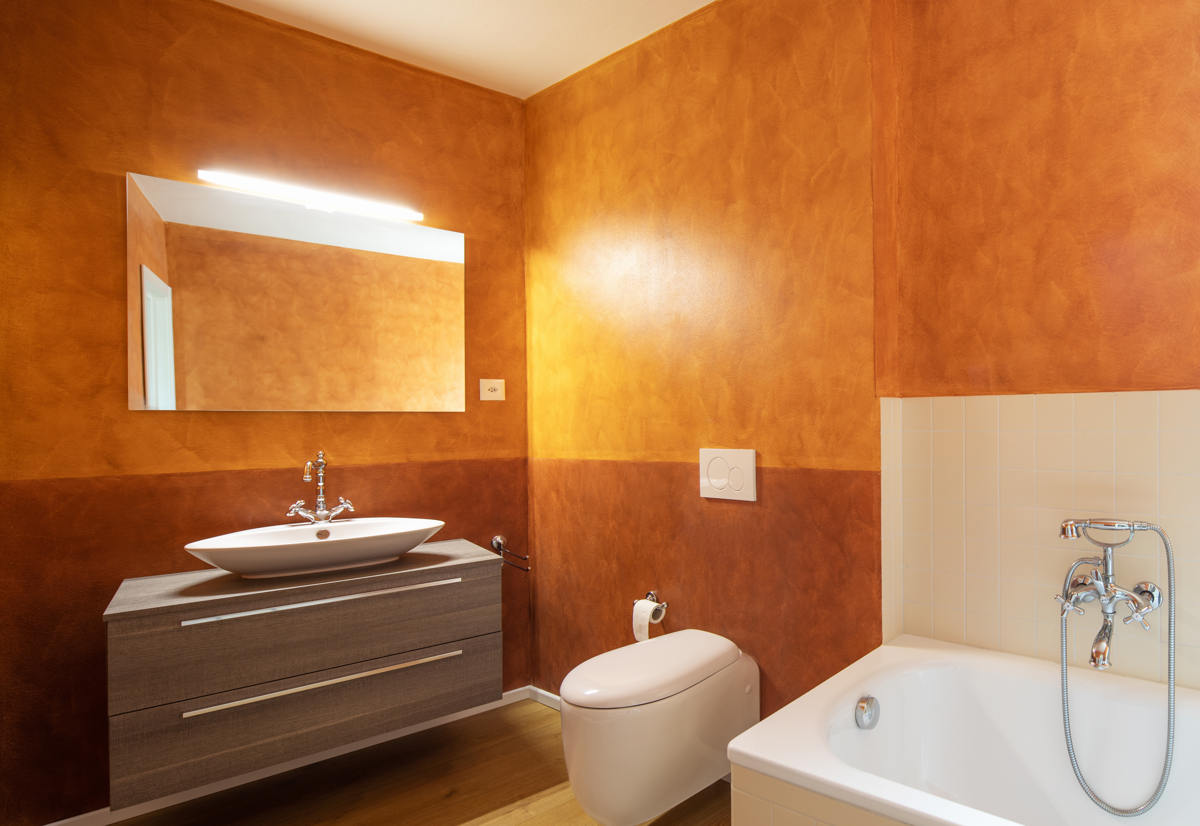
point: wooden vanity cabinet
(211, 676)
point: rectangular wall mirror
(271, 305)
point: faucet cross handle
(1067, 606)
(1149, 598)
(1139, 617)
(344, 504)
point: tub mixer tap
(1100, 586)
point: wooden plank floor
(499, 768)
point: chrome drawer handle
(322, 684)
(293, 605)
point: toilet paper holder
(660, 607)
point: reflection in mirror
(158, 342)
(275, 306)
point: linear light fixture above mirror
(218, 207)
(308, 197)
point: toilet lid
(647, 671)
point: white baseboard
(544, 697)
(106, 816)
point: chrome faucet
(1101, 586)
(322, 513)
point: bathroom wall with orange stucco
(94, 89)
(1037, 185)
(698, 269)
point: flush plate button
(728, 474)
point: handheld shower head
(1072, 528)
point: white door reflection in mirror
(158, 341)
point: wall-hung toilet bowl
(646, 726)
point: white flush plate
(491, 390)
(727, 474)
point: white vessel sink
(309, 547)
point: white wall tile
(981, 448)
(1179, 410)
(947, 466)
(948, 540)
(1018, 413)
(1136, 411)
(918, 618)
(917, 515)
(891, 517)
(916, 413)
(985, 484)
(947, 413)
(1179, 496)
(1018, 449)
(981, 484)
(1095, 411)
(918, 584)
(917, 549)
(918, 483)
(1137, 451)
(1055, 489)
(917, 448)
(1018, 488)
(1095, 450)
(1179, 451)
(947, 622)
(1056, 412)
(1095, 491)
(981, 412)
(1137, 495)
(1055, 450)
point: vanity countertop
(166, 592)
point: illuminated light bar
(311, 198)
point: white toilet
(646, 726)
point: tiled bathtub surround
(975, 488)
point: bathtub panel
(747, 810)
(794, 804)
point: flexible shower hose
(1066, 712)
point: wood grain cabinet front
(211, 677)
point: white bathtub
(969, 736)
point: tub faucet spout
(1101, 644)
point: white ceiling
(514, 46)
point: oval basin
(310, 547)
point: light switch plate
(491, 390)
(728, 474)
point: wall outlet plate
(728, 474)
(491, 390)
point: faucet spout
(321, 513)
(1102, 644)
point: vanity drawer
(164, 658)
(163, 750)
